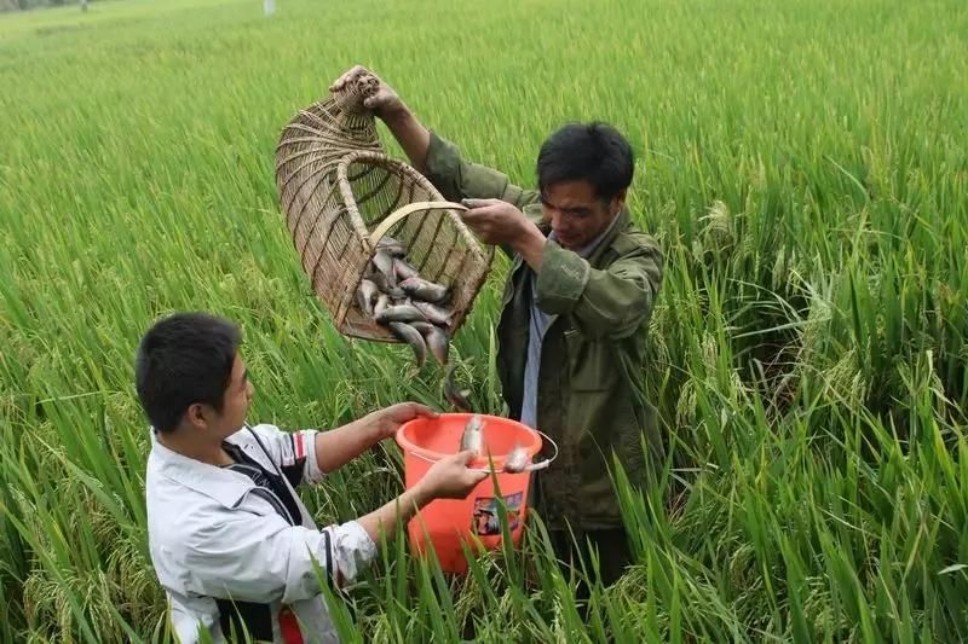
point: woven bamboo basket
(340, 194)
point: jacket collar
(223, 485)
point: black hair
(184, 359)
(595, 152)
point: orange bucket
(446, 523)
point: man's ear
(196, 417)
(618, 201)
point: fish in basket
(387, 256)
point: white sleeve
(294, 452)
(260, 558)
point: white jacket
(213, 533)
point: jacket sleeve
(247, 556)
(457, 178)
(294, 452)
(604, 303)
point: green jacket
(590, 391)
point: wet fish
(433, 313)
(386, 285)
(436, 339)
(382, 301)
(425, 290)
(403, 269)
(366, 293)
(517, 460)
(412, 337)
(391, 247)
(383, 262)
(473, 436)
(400, 313)
(457, 398)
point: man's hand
(380, 97)
(387, 421)
(386, 105)
(499, 222)
(449, 478)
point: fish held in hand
(517, 460)
(436, 339)
(411, 336)
(425, 290)
(473, 436)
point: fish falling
(415, 310)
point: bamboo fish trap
(340, 194)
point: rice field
(803, 164)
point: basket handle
(408, 210)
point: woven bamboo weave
(340, 192)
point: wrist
(530, 246)
(395, 115)
(420, 495)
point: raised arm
(307, 455)
(436, 158)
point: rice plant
(802, 163)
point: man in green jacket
(575, 311)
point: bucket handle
(531, 467)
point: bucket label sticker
(486, 509)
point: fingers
(478, 475)
(479, 203)
(477, 217)
(350, 75)
(423, 410)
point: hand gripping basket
(340, 194)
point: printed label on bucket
(486, 509)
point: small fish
(454, 396)
(412, 337)
(436, 339)
(517, 460)
(385, 285)
(403, 269)
(473, 436)
(434, 313)
(391, 247)
(400, 313)
(381, 304)
(425, 290)
(365, 295)
(383, 262)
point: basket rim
(357, 221)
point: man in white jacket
(230, 540)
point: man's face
(235, 406)
(238, 397)
(576, 215)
